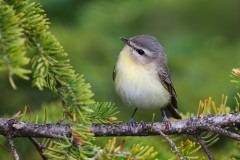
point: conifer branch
(172, 144)
(39, 147)
(204, 147)
(221, 131)
(190, 126)
(15, 128)
(13, 148)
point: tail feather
(171, 112)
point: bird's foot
(167, 122)
(130, 123)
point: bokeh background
(201, 39)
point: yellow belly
(139, 85)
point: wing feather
(167, 83)
(114, 73)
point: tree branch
(221, 131)
(13, 148)
(172, 144)
(204, 147)
(39, 147)
(15, 128)
(187, 126)
(192, 126)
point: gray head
(145, 49)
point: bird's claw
(130, 124)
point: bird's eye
(140, 51)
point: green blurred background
(201, 39)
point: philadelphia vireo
(142, 78)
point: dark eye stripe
(140, 51)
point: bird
(142, 78)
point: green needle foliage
(27, 46)
(103, 113)
(12, 48)
(114, 152)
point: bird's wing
(167, 83)
(114, 73)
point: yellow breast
(138, 84)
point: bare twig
(173, 145)
(187, 126)
(204, 147)
(19, 129)
(221, 131)
(39, 147)
(12, 146)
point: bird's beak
(125, 40)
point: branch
(204, 147)
(190, 126)
(172, 144)
(13, 148)
(15, 128)
(39, 147)
(220, 131)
